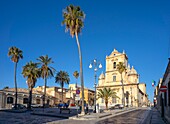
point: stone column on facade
(131, 96)
(1, 100)
(4, 100)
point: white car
(144, 106)
(118, 106)
(36, 105)
(18, 106)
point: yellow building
(54, 91)
(88, 93)
(135, 92)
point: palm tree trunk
(15, 80)
(45, 85)
(106, 105)
(30, 99)
(76, 83)
(62, 85)
(123, 96)
(81, 73)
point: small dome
(115, 50)
(133, 71)
(101, 76)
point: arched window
(25, 100)
(48, 101)
(114, 78)
(114, 65)
(38, 101)
(10, 100)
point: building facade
(88, 94)
(163, 97)
(7, 97)
(134, 92)
(157, 93)
(55, 92)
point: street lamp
(95, 64)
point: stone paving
(132, 117)
(83, 120)
(24, 118)
(90, 119)
(28, 118)
(156, 117)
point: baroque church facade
(134, 91)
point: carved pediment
(114, 59)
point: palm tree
(15, 54)
(73, 21)
(105, 94)
(76, 75)
(61, 78)
(32, 73)
(46, 71)
(121, 68)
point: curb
(104, 116)
(165, 120)
(116, 114)
(90, 117)
(51, 115)
(14, 111)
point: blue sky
(141, 28)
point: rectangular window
(25, 100)
(114, 65)
(113, 100)
(114, 78)
(102, 100)
(10, 100)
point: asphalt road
(134, 117)
(24, 118)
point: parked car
(19, 106)
(121, 106)
(72, 104)
(64, 105)
(117, 106)
(144, 106)
(36, 105)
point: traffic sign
(163, 88)
(77, 98)
(77, 91)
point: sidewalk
(92, 118)
(156, 117)
(55, 112)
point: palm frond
(73, 19)
(62, 77)
(15, 53)
(46, 71)
(31, 72)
